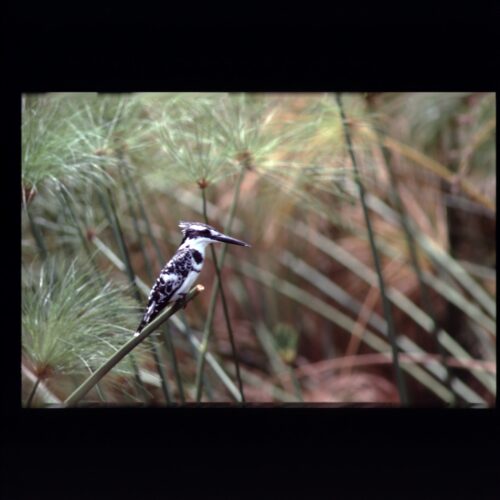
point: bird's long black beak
(232, 241)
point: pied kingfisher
(179, 274)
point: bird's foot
(181, 301)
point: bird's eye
(207, 233)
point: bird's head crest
(194, 226)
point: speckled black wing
(171, 278)
(159, 297)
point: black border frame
(123, 451)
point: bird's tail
(142, 324)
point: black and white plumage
(180, 273)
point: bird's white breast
(186, 285)
(192, 276)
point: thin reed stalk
(215, 290)
(149, 270)
(424, 294)
(168, 341)
(42, 391)
(161, 372)
(67, 205)
(138, 380)
(265, 338)
(279, 367)
(403, 393)
(33, 391)
(135, 220)
(110, 211)
(138, 198)
(224, 303)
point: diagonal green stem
(110, 211)
(213, 298)
(80, 392)
(168, 341)
(133, 214)
(403, 393)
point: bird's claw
(181, 302)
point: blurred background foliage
(106, 179)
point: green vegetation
(372, 272)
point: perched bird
(179, 274)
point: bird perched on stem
(180, 273)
